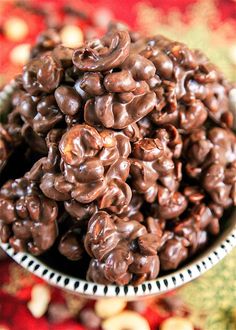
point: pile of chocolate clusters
(132, 153)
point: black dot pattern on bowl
(66, 281)
(230, 243)
(162, 284)
(95, 289)
(144, 287)
(105, 289)
(36, 267)
(204, 265)
(209, 258)
(30, 263)
(216, 254)
(51, 275)
(181, 276)
(223, 247)
(23, 258)
(44, 272)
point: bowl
(216, 251)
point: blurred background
(25, 301)
(206, 24)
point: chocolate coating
(212, 159)
(71, 245)
(68, 100)
(93, 58)
(28, 219)
(112, 244)
(134, 158)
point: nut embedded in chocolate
(132, 142)
(71, 244)
(112, 244)
(28, 219)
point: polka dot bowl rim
(221, 247)
(198, 266)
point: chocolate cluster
(28, 219)
(135, 157)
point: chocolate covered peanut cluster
(122, 250)
(28, 219)
(133, 157)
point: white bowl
(199, 264)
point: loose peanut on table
(105, 308)
(176, 323)
(40, 298)
(126, 320)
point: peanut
(40, 298)
(176, 323)
(105, 308)
(20, 54)
(128, 320)
(71, 36)
(15, 29)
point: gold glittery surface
(214, 294)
